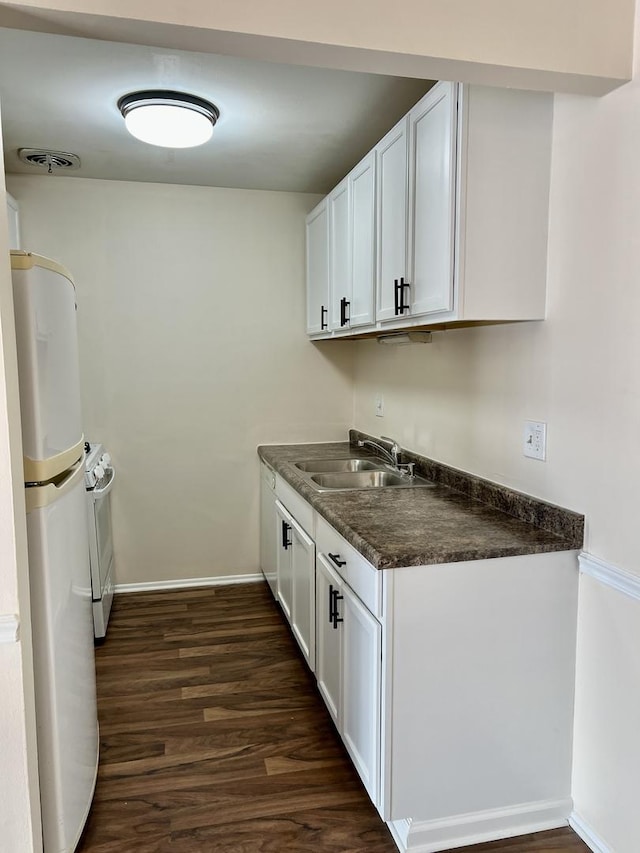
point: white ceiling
(281, 127)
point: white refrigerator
(59, 578)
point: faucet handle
(408, 468)
(391, 441)
(395, 449)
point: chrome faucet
(392, 455)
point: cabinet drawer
(297, 506)
(357, 571)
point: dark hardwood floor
(213, 738)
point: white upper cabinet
(362, 185)
(432, 172)
(339, 256)
(479, 170)
(461, 198)
(392, 214)
(502, 205)
(318, 269)
(352, 248)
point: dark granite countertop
(473, 519)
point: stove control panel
(97, 465)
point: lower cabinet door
(268, 530)
(361, 674)
(284, 526)
(303, 623)
(329, 637)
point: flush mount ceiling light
(168, 119)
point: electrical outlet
(535, 440)
(379, 405)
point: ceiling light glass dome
(168, 119)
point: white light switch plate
(535, 440)
(379, 405)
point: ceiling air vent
(49, 160)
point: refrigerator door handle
(39, 495)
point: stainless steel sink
(366, 480)
(321, 466)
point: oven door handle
(100, 493)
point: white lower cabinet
(329, 638)
(361, 671)
(284, 524)
(349, 653)
(452, 688)
(303, 617)
(296, 586)
(451, 685)
(349, 669)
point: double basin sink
(347, 474)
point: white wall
(463, 400)
(193, 352)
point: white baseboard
(582, 828)
(479, 827)
(9, 628)
(399, 830)
(186, 583)
(610, 575)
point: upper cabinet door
(392, 210)
(318, 269)
(362, 183)
(432, 177)
(340, 256)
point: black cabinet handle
(334, 598)
(323, 314)
(344, 304)
(286, 542)
(402, 307)
(336, 559)
(399, 306)
(331, 592)
(336, 618)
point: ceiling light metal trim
(176, 101)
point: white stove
(99, 479)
